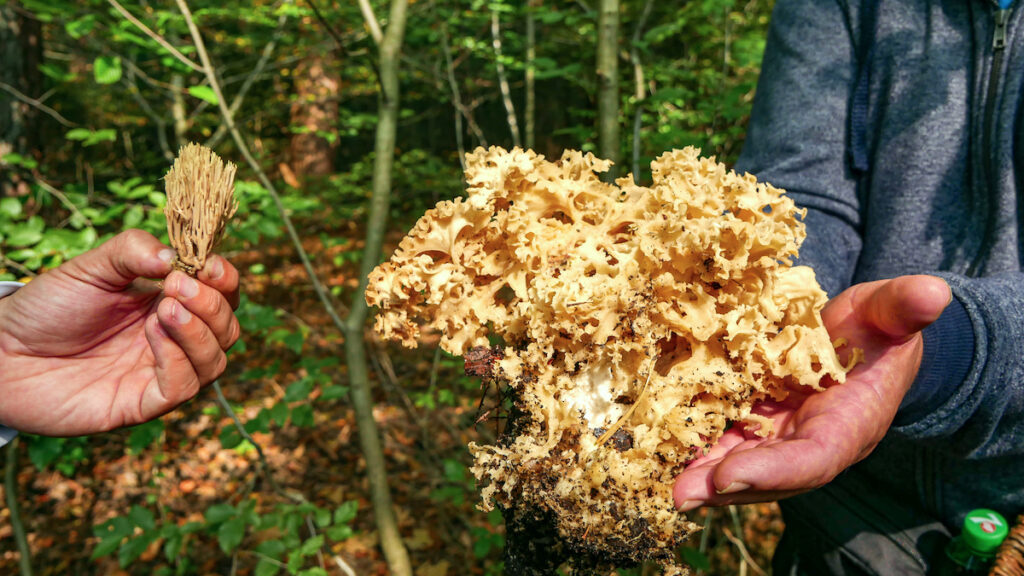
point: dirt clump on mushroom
(636, 323)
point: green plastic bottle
(973, 551)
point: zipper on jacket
(1002, 18)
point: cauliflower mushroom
(637, 323)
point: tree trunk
(21, 53)
(531, 70)
(608, 83)
(315, 112)
(387, 126)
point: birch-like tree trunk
(608, 143)
(530, 120)
(390, 47)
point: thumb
(904, 306)
(117, 262)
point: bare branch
(506, 94)
(63, 199)
(250, 79)
(11, 493)
(37, 105)
(156, 37)
(371, 22)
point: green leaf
(145, 434)
(310, 547)
(78, 134)
(333, 392)
(299, 390)
(695, 558)
(230, 534)
(302, 416)
(230, 438)
(111, 533)
(173, 545)
(204, 93)
(279, 413)
(19, 160)
(339, 533)
(10, 207)
(346, 512)
(43, 451)
(314, 571)
(273, 548)
(26, 233)
(81, 27)
(219, 513)
(142, 517)
(132, 549)
(267, 567)
(107, 69)
(134, 216)
(322, 517)
(56, 73)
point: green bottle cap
(984, 530)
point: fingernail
(734, 488)
(166, 255)
(181, 315)
(187, 287)
(216, 269)
(688, 505)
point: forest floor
(427, 412)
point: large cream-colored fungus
(637, 322)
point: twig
(63, 199)
(38, 105)
(738, 542)
(344, 566)
(457, 99)
(12, 264)
(11, 494)
(506, 94)
(161, 125)
(705, 534)
(265, 467)
(312, 534)
(339, 43)
(156, 37)
(371, 22)
(250, 79)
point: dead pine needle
(200, 201)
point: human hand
(818, 435)
(95, 345)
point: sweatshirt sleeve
(968, 396)
(797, 138)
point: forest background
(322, 450)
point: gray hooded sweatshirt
(922, 172)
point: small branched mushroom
(200, 201)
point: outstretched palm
(817, 436)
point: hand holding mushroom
(817, 436)
(97, 344)
(93, 345)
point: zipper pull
(999, 37)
